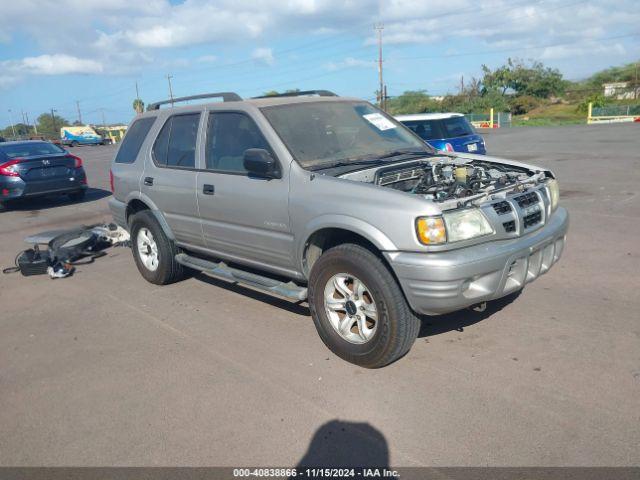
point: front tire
(359, 309)
(153, 252)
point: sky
(54, 53)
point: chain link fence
(483, 120)
(616, 110)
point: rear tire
(73, 144)
(153, 252)
(385, 328)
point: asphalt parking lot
(105, 369)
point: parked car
(326, 199)
(80, 135)
(33, 168)
(450, 132)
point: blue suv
(450, 132)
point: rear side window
(176, 142)
(229, 134)
(133, 140)
(457, 127)
(425, 129)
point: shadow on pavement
(339, 444)
(53, 201)
(431, 326)
(463, 318)
(298, 308)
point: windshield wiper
(412, 153)
(371, 159)
(346, 163)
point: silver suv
(315, 197)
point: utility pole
(636, 87)
(137, 93)
(169, 77)
(381, 100)
(103, 122)
(12, 127)
(53, 120)
(79, 114)
(461, 84)
(35, 124)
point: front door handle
(208, 189)
(148, 181)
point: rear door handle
(208, 189)
(148, 181)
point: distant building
(620, 91)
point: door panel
(170, 179)
(243, 217)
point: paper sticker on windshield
(379, 121)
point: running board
(222, 270)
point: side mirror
(260, 163)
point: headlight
(452, 227)
(466, 224)
(554, 193)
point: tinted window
(30, 149)
(425, 129)
(133, 140)
(176, 143)
(228, 136)
(457, 127)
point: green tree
(21, 130)
(532, 79)
(51, 126)
(412, 101)
(138, 105)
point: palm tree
(138, 105)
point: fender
(137, 195)
(344, 222)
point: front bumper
(436, 283)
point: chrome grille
(509, 226)
(527, 199)
(533, 219)
(502, 207)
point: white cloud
(13, 71)
(58, 64)
(264, 55)
(127, 35)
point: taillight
(9, 169)
(77, 160)
(111, 181)
(448, 147)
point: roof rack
(226, 97)
(320, 93)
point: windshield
(30, 149)
(321, 134)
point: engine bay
(449, 179)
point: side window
(229, 134)
(176, 142)
(133, 140)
